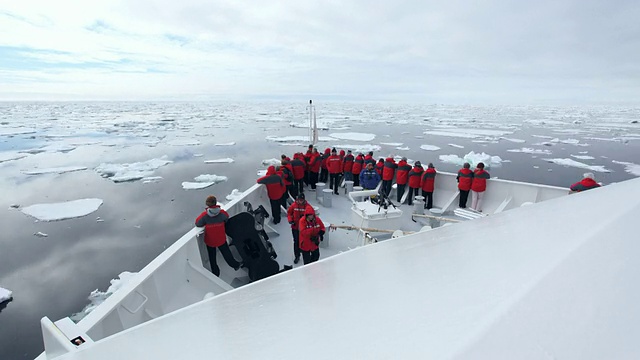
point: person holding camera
(294, 214)
(311, 233)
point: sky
(476, 52)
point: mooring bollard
(326, 197)
(319, 187)
(348, 186)
(418, 205)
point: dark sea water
(52, 276)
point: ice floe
(513, 140)
(97, 297)
(235, 194)
(40, 234)
(583, 157)
(449, 133)
(203, 181)
(151, 179)
(531, 151)
(631, 168)
(467, 133)
(403, 148)
(5, 294)
(473, 159)
(456, 146)
(272, 161)
(353, 136)
(358, 148)
(429, 147)
(391, 144)
(573, 163)
(131, 172)
(62, 210)
(55, 170)
(231, 143)
(219, 161)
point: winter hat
(349, 151)
(404, 158)
(211, 200)
(301, 196)
(334, 150)
(418, 163)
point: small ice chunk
(184, 142)
(429, 147)
(531, 151)
(226, 144)
(97, 297)
(473, 159)
(210, 178)
(583, 157)
(272, 161)
(235, 194)
(189, 185)
(40, 234)
(5, 294)
(203, 181)
(219, 161)
(456, 146)
(132, 171)
(364, 148)
(57, 170)
(405, 148)
(573, 163)
(631, 168)
(63, 210)
(513, 140)
(198, 155)
(151, 179)
(391, 144)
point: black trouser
(313, 179)
(386, 186)
(275, 210)
(306, 177)
(284, 200)
(296, 242)
(356, 179)
(428, 199)
(293, 191)
(324, 174)
(412, 192)
(400, 191)
(226, 254)
(299, 185)
(464, 195)
(310, 256)
(334, 182)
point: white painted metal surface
(179, 278)
(555, 280)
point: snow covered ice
(203, 181)
(219, 161)
(62, 210)
(56, 170)
(573, 163)
(97, 297)
(5, 294)
(130, 172)
(429, 147)
(473, 159)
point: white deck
(555, 280)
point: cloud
(457, 51)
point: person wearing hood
(356, 169)
(296, 212)
(415, 177)
(379, 166)
(369, 177)
(347, 165)
(428, 183)
(402, 177)
(334, 164)
(311, 233)
(388, 172)
(307, 161)
(464, 178)
(287, 176)
(478, 186)
(587, 183)
(369, 159)
(315, 162)
(213, 220)
(275, 190)
(298, 166)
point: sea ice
(8, 156)
(456, 146)
(513, 140)
(451, 134)
(5, 294)
(573, 163)
(391, 144)
(353, 136)
(130, 172)
(631, 168)
(219, 161)
(405, 148)
(272, 161)
(151, 179)
(184, 142)
(363, 148)
(531, 151)
(97, 297)
(429, 147)
(58, 170)
(40, 234)
(235, 194)
(473, 159)
(583, 157)
(231, 143)
(203, 181)
(63, 210)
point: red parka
(315, 161)
(334, 164)
(308, 230)
(379, 166)
(402, 173)
(428, 180)
(298, 166)
(389, 169)
(358, 164)
(347, 163)
(274, 183)
(296, 212)
(415, 176)
(213, 220)
(465, 178)
(480, 178)
(584, 184)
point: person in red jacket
(298, 165)
(478, 186)
(307, 158)
(334, 164)
(415, 177)
(587, 183)
(287, 177)
(379, 166)
(402, 177)
(356, 169)
(465, 178)
(296, 212)
(427, 183)
(347, 166)
(275, 190)
(315, 162)
(389, 167)
(324, 172)
(311, 233)
(369, 159)
(215, 237)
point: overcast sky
(479, 52)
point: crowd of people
(288, 181)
